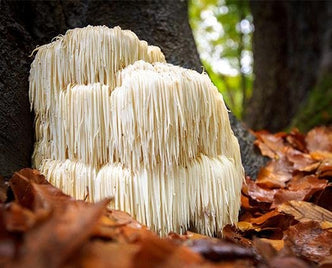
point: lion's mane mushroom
(113, 118)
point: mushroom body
(114, 118)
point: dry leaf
(275, 174)
(297, 140)
(258, 193)
(323, 198)
(277, 244)
(319, 139)
(220, 250)
(309, 240)
(301, 161)
(305, 211)
(269, 144)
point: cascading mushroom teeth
(114, 120)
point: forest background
(269, 59)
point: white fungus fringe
(80, 57)
(204, 194)
(155, 137)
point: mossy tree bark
(161, 23)
(288, 45)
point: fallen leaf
(297, 140)
(22, 189)
(52, 242)
(265, 249)
(305, 211)
(301, 161)
(288, 262)
(310, 184)
(271, 145)
(309, 240)
(7, 250)
(17, 218)
(231, 233)
(273, 219)
(325, 168)
(105, 254)
(277, 244)
(245, 226)
(319, 139)
(220, 250)
(299, 188)
(326, 262)
(326, 225)
(323, 198)
(114, 225)
(156, 252)
(258, 193)
(320, 155)
(195, 236)
(275, 174)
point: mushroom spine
(114, 118)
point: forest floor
(285, 219)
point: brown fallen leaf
(275, 174)
(297, 140)
(299, 188)
(258, 193)
(265, 249)
(273, 218)
(326, 262)
(156, 252)
(22, 188)
(52, 242)
(195, 236)
(325, 168)
(244, 226)
(305, 211)
(319, 139)
(277, 244)
(17, 218)
(320, 155)
(309, 240)
(284, 195)
(323, 198)
(105, 254)
(219, 250)
(301, 161)
(231, 233)
(311, 183)
(271, 145)
(288, 262)
(117, 226)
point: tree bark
(161, 23)
(287, 44)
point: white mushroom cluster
(114, 120)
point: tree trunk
(287, 43)
(164, 24)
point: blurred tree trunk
(288, 44)
(30, 23)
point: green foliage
(318, 109)
(223, 30)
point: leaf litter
(285, 219)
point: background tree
(291, 52)
(292, 65)
(24, 25)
